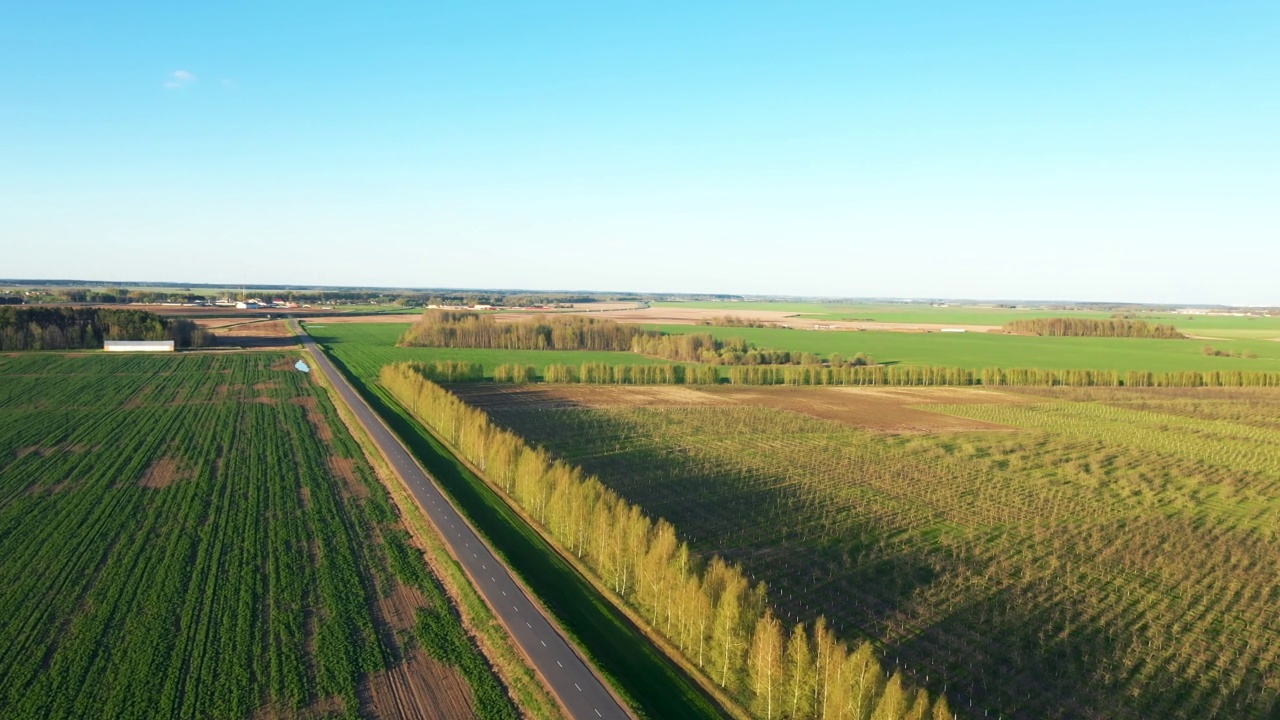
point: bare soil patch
(161, 474)
(209, 323)
(778, 318)
(345, 468)
(881, 409)
(314, 416)
(258, 334)
(418, 688)
(590, 396)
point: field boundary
(673, 654)
(622, 705)
(519, 679)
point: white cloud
(179, 79)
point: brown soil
(284, 363)
(697, 316)
(258, 334)
(418, 687)
(345, 468)
(314, 416)
(590, 396)
(213, 323)
(881, 409)
(304, 494)
(160, 474)
(23, 452)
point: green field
(376, 342)
(652, 684)
(979, 350)
(369, 346)
(1114, 555)
(1216, 325)
(198, 536)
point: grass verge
(648, 680)
(491, 637)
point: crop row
(1124, 560)
(177, 542)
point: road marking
(530, 626)
(578, 686)
(597, 713)
(559, 663)
(544, 643)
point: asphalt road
(581, 692)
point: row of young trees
(929, 375)
(890, 375)
(65, 328)
(605, 374)
(1092, 327)
(711, 612)
(450, 371)
(455, 329)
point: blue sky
(1104, 151)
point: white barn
(138, 346)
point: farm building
(138, 346)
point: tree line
(868, 375)
(461, 329)
(606, 374)
(465, 329)
(710, 611)
(1092, 327)
(64, 328)
(930, 375)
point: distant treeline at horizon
(466, 329)
(66, 328)
(1093, 327)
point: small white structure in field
(954, 330)
(138, 346)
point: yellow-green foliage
(710, 611)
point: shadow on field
(1002, 646)
(651, 684)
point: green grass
(976, 315)
(652, 684)
(369, 346)
(979, 350)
